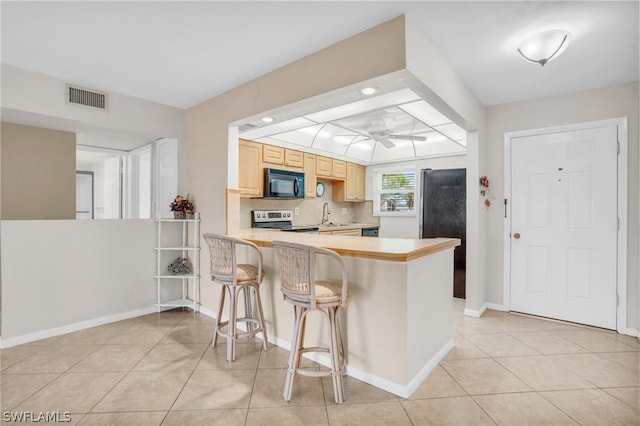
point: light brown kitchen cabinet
(338, 168)
(310, 179)
(324, 165)
(272, 154)
(352, 188)
(293, 158)
(250, 179)
(360, 179)
(330, 168)
(351, 232)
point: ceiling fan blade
(408, 137)
(386, 142)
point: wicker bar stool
(300, 288)
(235, 277)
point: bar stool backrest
(222, 252)
(298, 270)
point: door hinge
(617, 300)
(618, 146)
(618, 223)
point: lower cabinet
(351, 232)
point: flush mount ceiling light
(267, 119)
(545, 46)
(368, 91)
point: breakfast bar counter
(394, 249)
(398, 324)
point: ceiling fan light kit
(385, 139)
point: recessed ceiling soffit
(395, 126)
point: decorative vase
(181, 214)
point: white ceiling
(182, 53)
(365, 131)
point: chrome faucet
(325, 213)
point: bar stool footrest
(312, 373)
(314, 349)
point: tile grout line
(184, 385)
(126, 372)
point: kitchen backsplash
(310, 209)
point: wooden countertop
(393, 249)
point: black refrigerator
(444, 214)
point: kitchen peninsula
(398, 324)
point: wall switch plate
(344, 210)
(296, 211)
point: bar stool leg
(294, 355)
(336, 374)
(343, 361)
(248, 310)
(262, 325)
(231, 328)
(216, 327)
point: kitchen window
(394, 192)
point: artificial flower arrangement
(181, 206)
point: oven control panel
(272, 215)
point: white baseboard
(477, 314)
(208, 312)
(630, 332)
(428, 368)
(473, 313)
(495, 307)
(70, 328)
(389, 386)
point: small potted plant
(181, 207)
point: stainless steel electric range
(278, 219)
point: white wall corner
(475, 313)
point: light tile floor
(505, 369)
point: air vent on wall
(246, 126)
(91, 98)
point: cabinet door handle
(516, 235)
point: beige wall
(591, 105)
(38, 173)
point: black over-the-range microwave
(284, 184)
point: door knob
(516, 235)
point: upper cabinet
(323, 166)
(347, 178)
(293, 158)
(339, 168)
(330, 168)
(352, 188)
(310, 179)
(272, 154)
(250, 179)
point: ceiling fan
(384, 138)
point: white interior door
(564, 225)
(84, 195)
